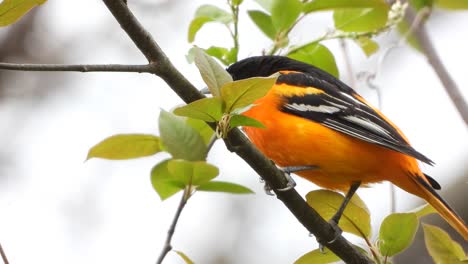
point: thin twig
(349, 67)
(148, 68)
(170, 233)
(453, 91)
(4, 257)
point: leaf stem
(170, 233)
(235, 34)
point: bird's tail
(427, 192)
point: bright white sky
(57, 209)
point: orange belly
(341, 159)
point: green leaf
(241, 120)
(215, 13)
(360, 19)
(205, 14)
(125, 146)
(206, 109)
(452, 4)
(323, 257)
(403, 28)
(356, 217)
(195, 25)
(367, 45)
(192, 172)
(318, 257)
(317, 55)
(244, 92)
(205, 131)
(220, 53)
(237, 2)
(284, 13)
(441, 247)
(263, 22)
(397, 232)
(424, 210)
(319, 5)
(212, 73)
(418, 4)
(180, 139)
(266, 4)
(12, 10)
(227, 187)
(184, 257)
(164, 182)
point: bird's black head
(263, 66)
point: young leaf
(403, 28)
(212, 73)
(319, 5)
(125, 146)
(367, 45)
(12, 10)
(424, 210)
(241, 93)
(452, 4)
(263, 22)
(222, 54)
(205, 14)
(441, 247)
(205, 131)
(356, 217)
(284, 13)
(192, 172)
(318, 257)
(397, 232)
(418, 4)
(215, 13)
(227, 187)
(241, 120)
(164, 182)
(360, 19)
(180, 139)
(266, 4)
(184, 257)
(324, 256)
(317, 55)
(206, 109)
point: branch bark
(148, 68)
(434, 60)
(235, 141)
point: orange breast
(294, 141)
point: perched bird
(316, 122)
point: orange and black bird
(315, 121)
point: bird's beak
(205, 91)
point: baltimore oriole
(313, 119)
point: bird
(321, 129)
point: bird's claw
(338, 232)
(291, 183)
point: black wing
(339, 109)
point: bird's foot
(337, 230)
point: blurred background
(56, 208)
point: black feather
(346, 114)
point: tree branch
(4, 257)
(148, 68)
(235, 141)
(434, 60)
(167, 245)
